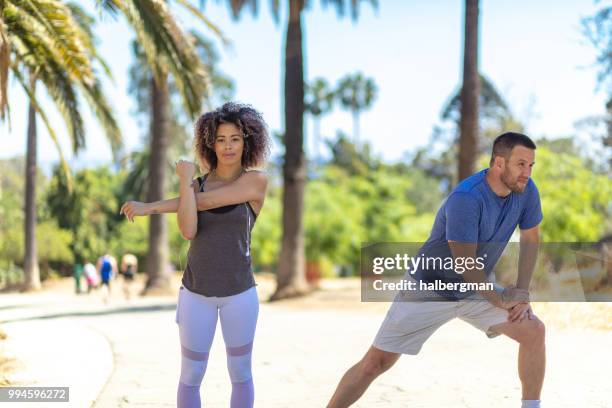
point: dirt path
(302, 349)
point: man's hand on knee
(520, 312)
(513, 296)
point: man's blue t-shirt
(474, 213)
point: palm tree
(291, 274)
(168, 51)
(319, 101)
(440, 157)
(137, 182)
(356, 93)
(470, 90)
(52, 43)
(30, 261)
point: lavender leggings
(196, 316)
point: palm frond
(105, 115)
(85, 23)
(354, 7)
(36, 54)
(37, 60)
(168, 50)
(110, 7)
(209, 24)
(53, 20)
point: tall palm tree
(356, 94)
(470, 90)
(50, 42)
(30, 261)
(495, 116)
(137, 182)
(319, 101)
(168, 51)
(291, 274)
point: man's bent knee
(538, 332)
(527, 332)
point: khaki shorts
(409, 324)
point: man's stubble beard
(512, 186)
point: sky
(533, 52)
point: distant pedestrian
(107, 268)
(129, 268)
(89, 270)
(77, 273)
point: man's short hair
(504, 143)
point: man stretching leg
(479, 215)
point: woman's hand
(133, 209)
(185, 169)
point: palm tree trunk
(31, 270)
(158, 274)
(317, 138)
(355, 127)
(291, 275)
(468, 138)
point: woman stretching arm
(218, 282)
(250, 187)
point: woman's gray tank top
(219, 259)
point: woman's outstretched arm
(248, 187)
(187, 215)
(251, 186)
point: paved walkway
(127, 355)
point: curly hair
(248, 120)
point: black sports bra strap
(201, 180)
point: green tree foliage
(575, 201)
(353, 159)
(89, 212)
(345, 211)
(333, 218)
(357, 199)
(266, 237)
(350, 202)
(53, 243)
(90, 215)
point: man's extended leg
(357, 379)
(530, 335)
